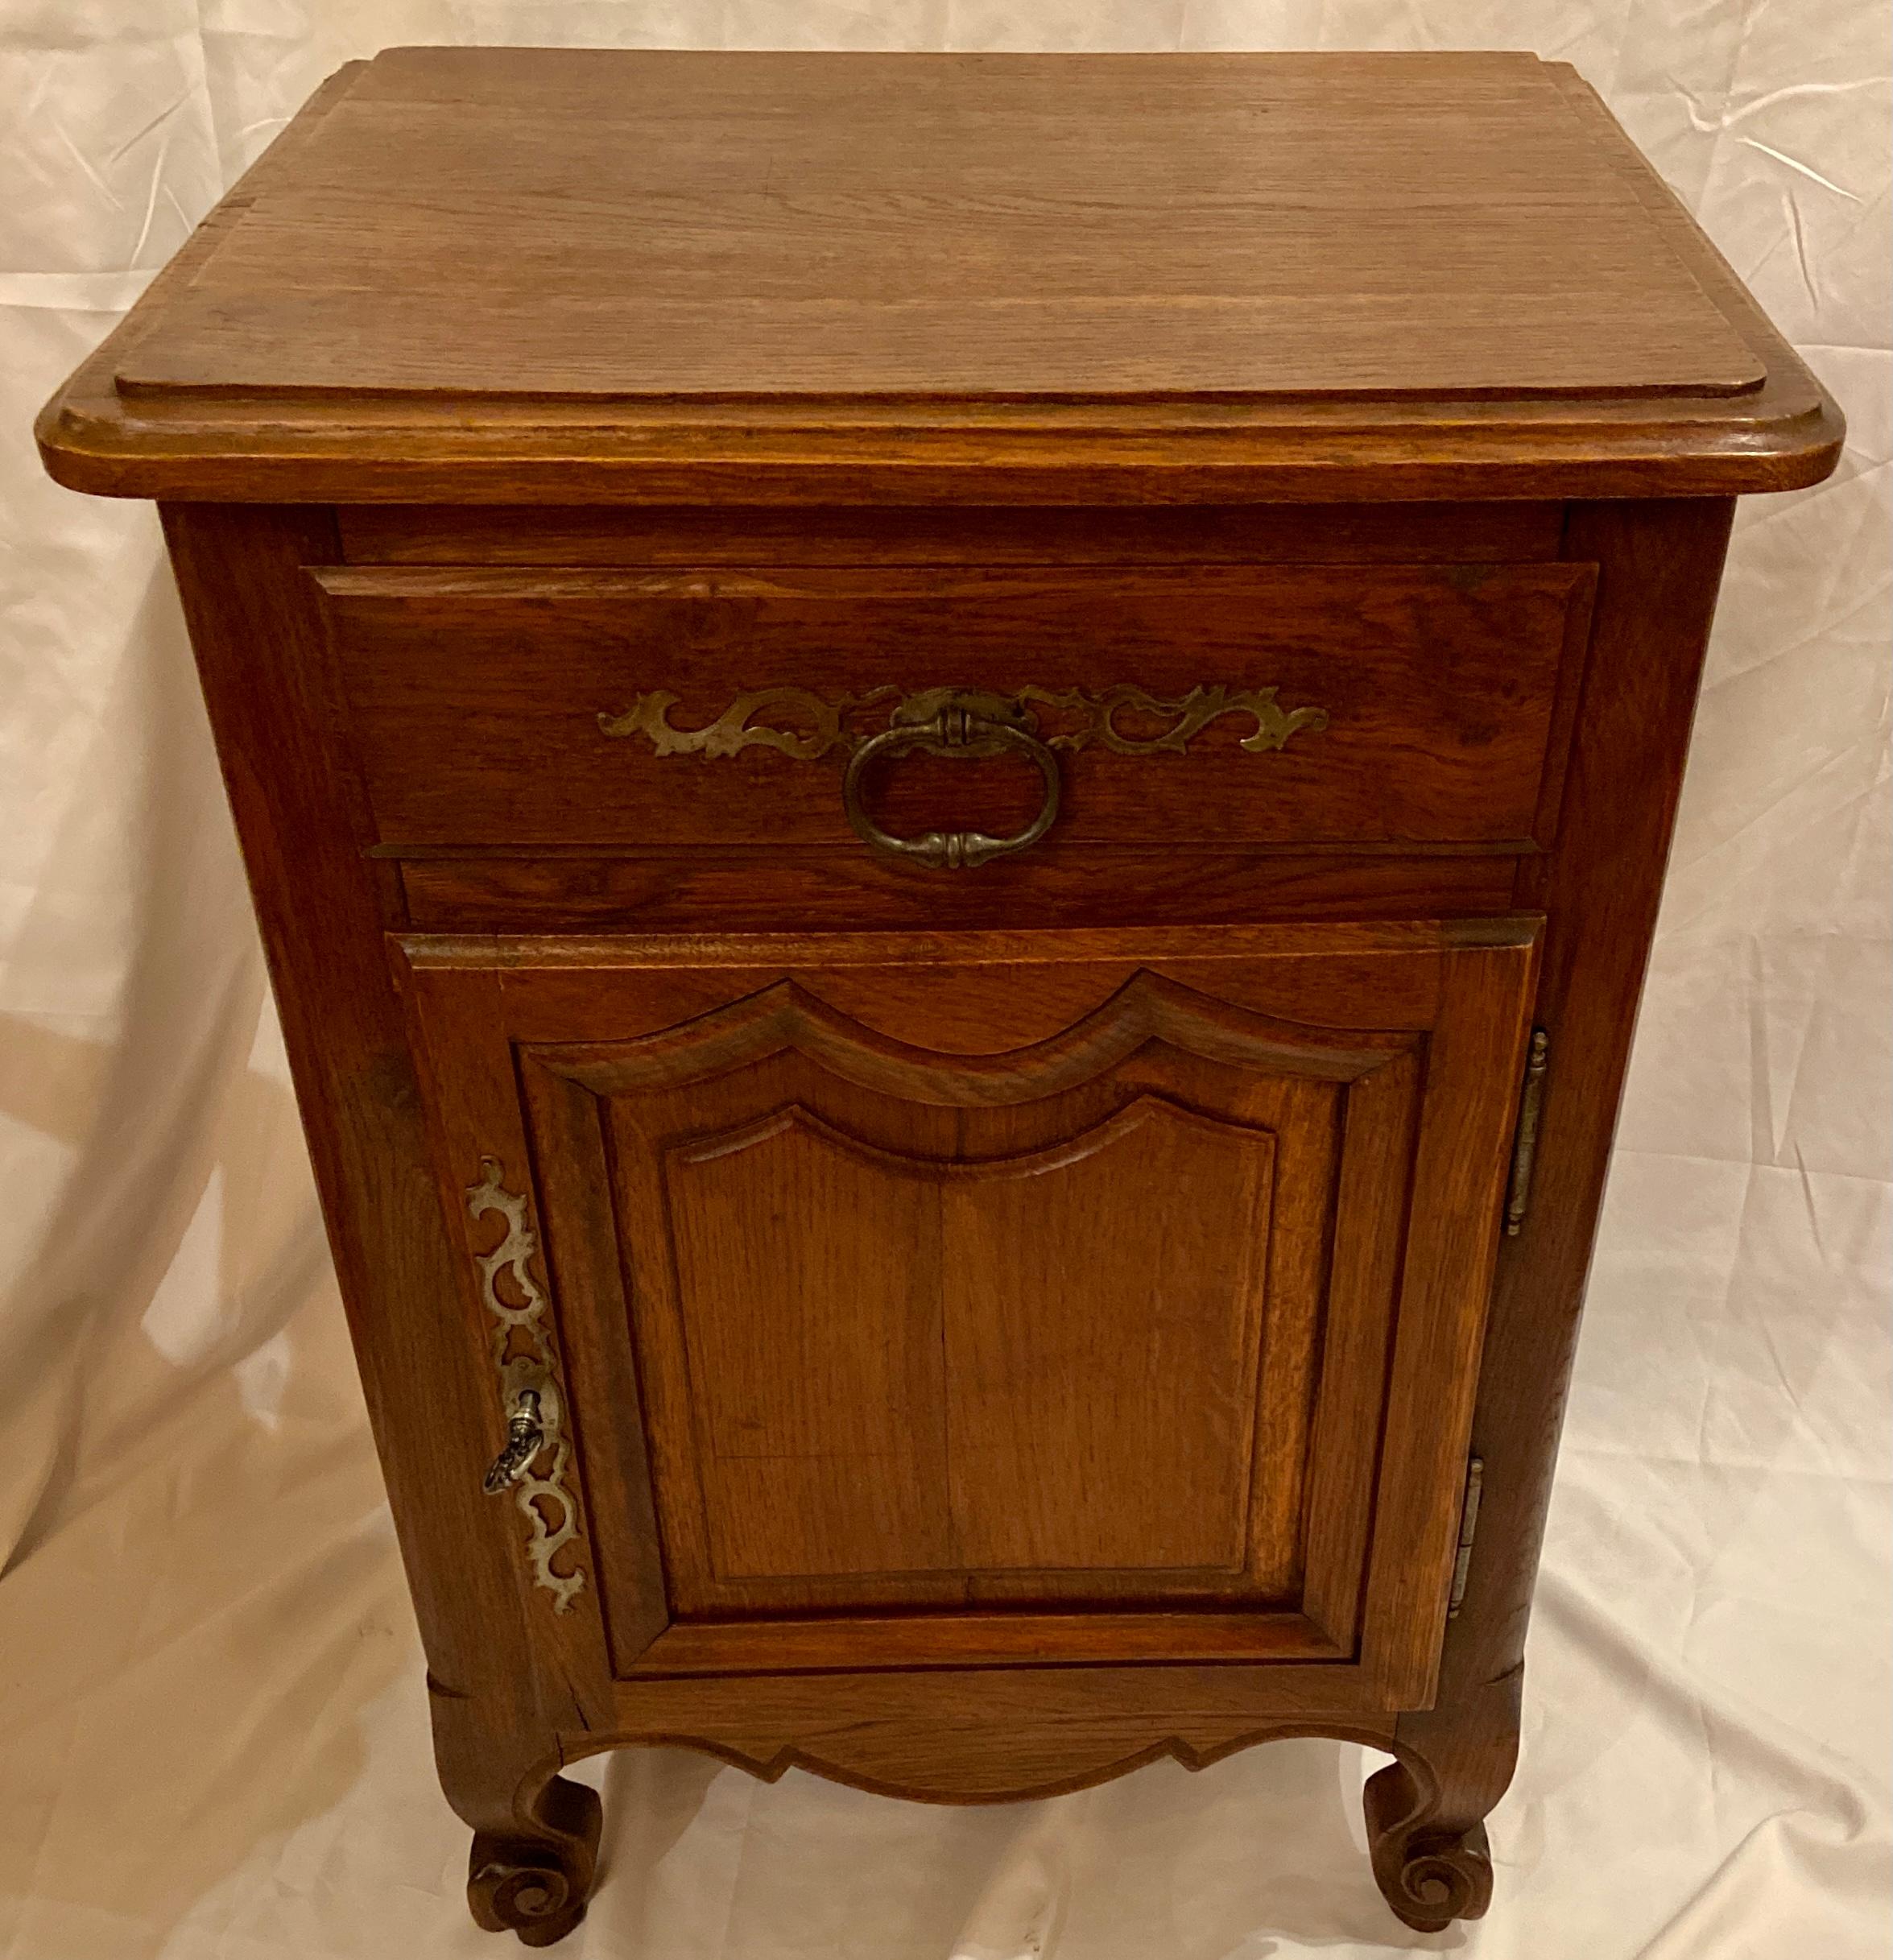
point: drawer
(1212, 706)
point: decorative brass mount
(818, 723)
(961, 722)
(522, 1354)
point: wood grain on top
(583, 223)
(468, 275)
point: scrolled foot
(537, 1886)
(1430, 1873)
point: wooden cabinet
(957, 831)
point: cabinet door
(986, 1299)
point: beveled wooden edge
(1711, 270)
(922, 1641)
(90, 440)
(1573, 581)
(1112, 946)
(1783, 435)
(1380, 1120)
(825, 856)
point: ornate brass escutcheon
(524, 1356)
(967, 723)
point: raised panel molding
(872, 1412)
(793, 1118)
(1147, 1007)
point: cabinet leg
(1426, 1812)
(534, 1855)
(534, 1876)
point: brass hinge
(1517, 1197)
(1469, 1525)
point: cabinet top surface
(473, 261)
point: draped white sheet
(212, 1738)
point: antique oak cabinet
(957, 770)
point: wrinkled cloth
(212, 1728)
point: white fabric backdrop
(212, 1727)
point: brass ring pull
(946, 722)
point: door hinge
(1469, 1525)
(1517, 1195)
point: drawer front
(1206, 706)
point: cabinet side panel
(1661, 564)
(261, 660)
